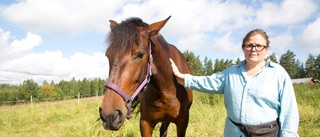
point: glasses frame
(250, 46)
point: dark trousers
(270, 129)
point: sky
(57, 40)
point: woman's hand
(175, 70)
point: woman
(258, 94)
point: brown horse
(140, 70)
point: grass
(69, 119)
(64, 118)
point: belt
(269, 129)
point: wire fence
(32, 100)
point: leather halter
(129, 99)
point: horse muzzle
(112, 121)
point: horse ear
(112, 24)
(154, 28)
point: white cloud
(281, 43)
(225, 44)
(4, 37)
(310, 37)
(225, 48)
(63, 18)
(48, 65)
(193, 42)
(60, 17)
(211, 28)
(18, 47)
(288, 12)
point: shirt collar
(268, 63)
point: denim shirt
(255, 100)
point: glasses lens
(257, 47)
(249, 46)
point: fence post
(78, 98)
(31, 101)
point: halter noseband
(129, 99)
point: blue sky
(58, 39)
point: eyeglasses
(258, 47)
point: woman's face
(255, 49)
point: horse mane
(123, 35)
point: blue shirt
(255, 100)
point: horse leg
(182, 125)
(146, 128)
(163, 129)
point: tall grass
(70, 119)
(308, 97)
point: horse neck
(160, 64)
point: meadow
(80, 118)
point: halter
(129, 99)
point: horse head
(129, 54)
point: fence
(32, 100)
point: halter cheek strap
(129, 99)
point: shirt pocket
(265, 93)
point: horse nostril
(119, 114)
(101, 115)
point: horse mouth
(112, 121)
(107, 126)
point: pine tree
(217, 66)
(228, 63)
(273, 58)
(317, 67)
(287, 61)
(310, 67)
(208, 66)
(238, 61)
(194, 63)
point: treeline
(294, 67)
(11, 94)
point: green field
(70, 118)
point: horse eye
(139, 54)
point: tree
(74, 86)
(301, 71)
(218, 65)
(317, 67)
(8, 94)
(287, 61)
(273, 58)
(228, 63)
(85, 87)
(222, 64)
(298, 72)
(46, 92)
(238, 61)
(94, 86)
(101, 86)
(194, 63)
(59, 91)
(208, 66)
(27, 89)
(310, 66)
(65, 89)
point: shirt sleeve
(207, 84)
(289, 115)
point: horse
(140, 71)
